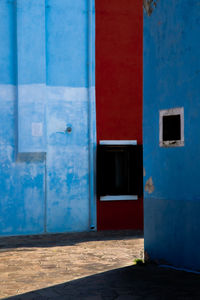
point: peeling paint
(44, 176)
(67, 172)
(149, 186)
(149, 6)
(144, 172)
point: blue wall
(46, 85)
(171, 79)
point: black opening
(119, 170)
(171, 128)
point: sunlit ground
(33, 263)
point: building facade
(48, 116)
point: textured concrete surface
(92, 266)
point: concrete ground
(88, 266)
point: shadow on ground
(135, 282)
(69, 239)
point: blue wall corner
(171, 79)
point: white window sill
(118, 142)
(118, 197)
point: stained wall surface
(171, 79)
(46, 86)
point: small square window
(172, 128)
(119, 172)
(171, 133)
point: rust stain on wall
(149, 6)
(149, 186)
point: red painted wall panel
(119, 34)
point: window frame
(105, 146)
(171, 112)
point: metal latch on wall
(67, 130)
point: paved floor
(92, 266)
(35, 262)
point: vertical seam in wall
(89, 114)
(16, 83)
(45, 161)
(92, 198)
(45, 193)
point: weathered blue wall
(46, 85)
(171, 79)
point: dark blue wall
(172, 79)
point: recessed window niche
(119, 170)
(171, 127)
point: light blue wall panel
(21, 180)
(70, 70)
(67, 42)
(31, 73)
(171, 79)
(67, 189)
(7, 111)
(31, 56)
(45, 180)
(31, 118)
(8, 42)
(68, 164)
